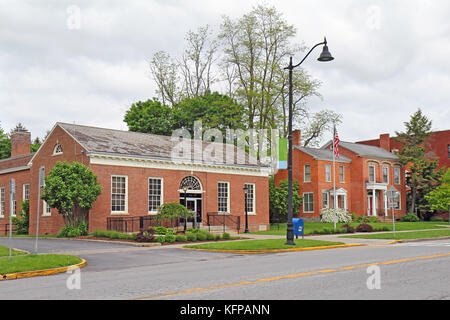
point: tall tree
(165, 72)
(5, 145)
(439, 198)
(421, 173)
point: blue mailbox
(298, 227)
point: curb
(46, 272)
(135, 244)
(280, 250)
(418, 240)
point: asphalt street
(418, 270)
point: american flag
(336, 143)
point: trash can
(298, 227)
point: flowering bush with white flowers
(332, 215)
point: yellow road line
(290, 276)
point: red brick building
(138, 172)
(437, 146)
(363, 176)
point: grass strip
(32, 262)
(4, 252)
(403, 235)
(268, 244)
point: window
(396, 175)
(397, 201)
(341, 174)
(448, 151)
(371, 173)
(324, 200)
(223, 197)
(307, 174)
(385, 174)
(26, 191)
(46, 209)
(58, 149)
(155, 186)
(119, 196)
(2, 202)
(308, 202)
(250, 198)
(327, 173)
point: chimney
(385, 142)
(296, 138)
(20, 143)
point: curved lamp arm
(290, 67)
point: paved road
(116, 271)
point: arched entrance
(191, 196)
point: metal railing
(229, 221)
(135, 224)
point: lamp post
(324, 57)
(245, 207)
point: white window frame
(304, 173)
(343, 174)
(399, 203)
(397, 182)
(126, 195)
(46, 209)
(56, 149)
(327, 198)
(374, 173)
(328, 173)
(253, 212)
(2, 202)
(161, 196)
(304, 202)
(24, 191)
(228, 197)
(387, 174)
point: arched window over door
(191, 182)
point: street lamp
(245, 206)
(324, 57)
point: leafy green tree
(150, 116)
(213, 109)
(5, 145)
(72, 189)
(421, 173)
(278, 199)
(173, 210)
(439, 198)
(22, 223)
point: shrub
(170, 238)
(170, 231)
(160, 230)
(348, 228)
(410, 217)
(373, 219)
(364, 227)
(330, 215)
(225, 235)
(201, 236)
(437, 219)
(70, 232)
(191, 237)
(180, 238)
(146, 235)
(209, 236)
(217, 237)
(161, 239)
(22, 224)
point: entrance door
(193, 204)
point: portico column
(385, 204)
(373, 203)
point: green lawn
(31, 262)
(4, 252)
(269, 244)
(403, 235)
(311, 227)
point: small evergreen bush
(410, 217)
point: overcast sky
(87, 61)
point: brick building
(363, 176)
(437, 146)
(138, 172)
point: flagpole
(334, 178)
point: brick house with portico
(363, 176)
(138, 172)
